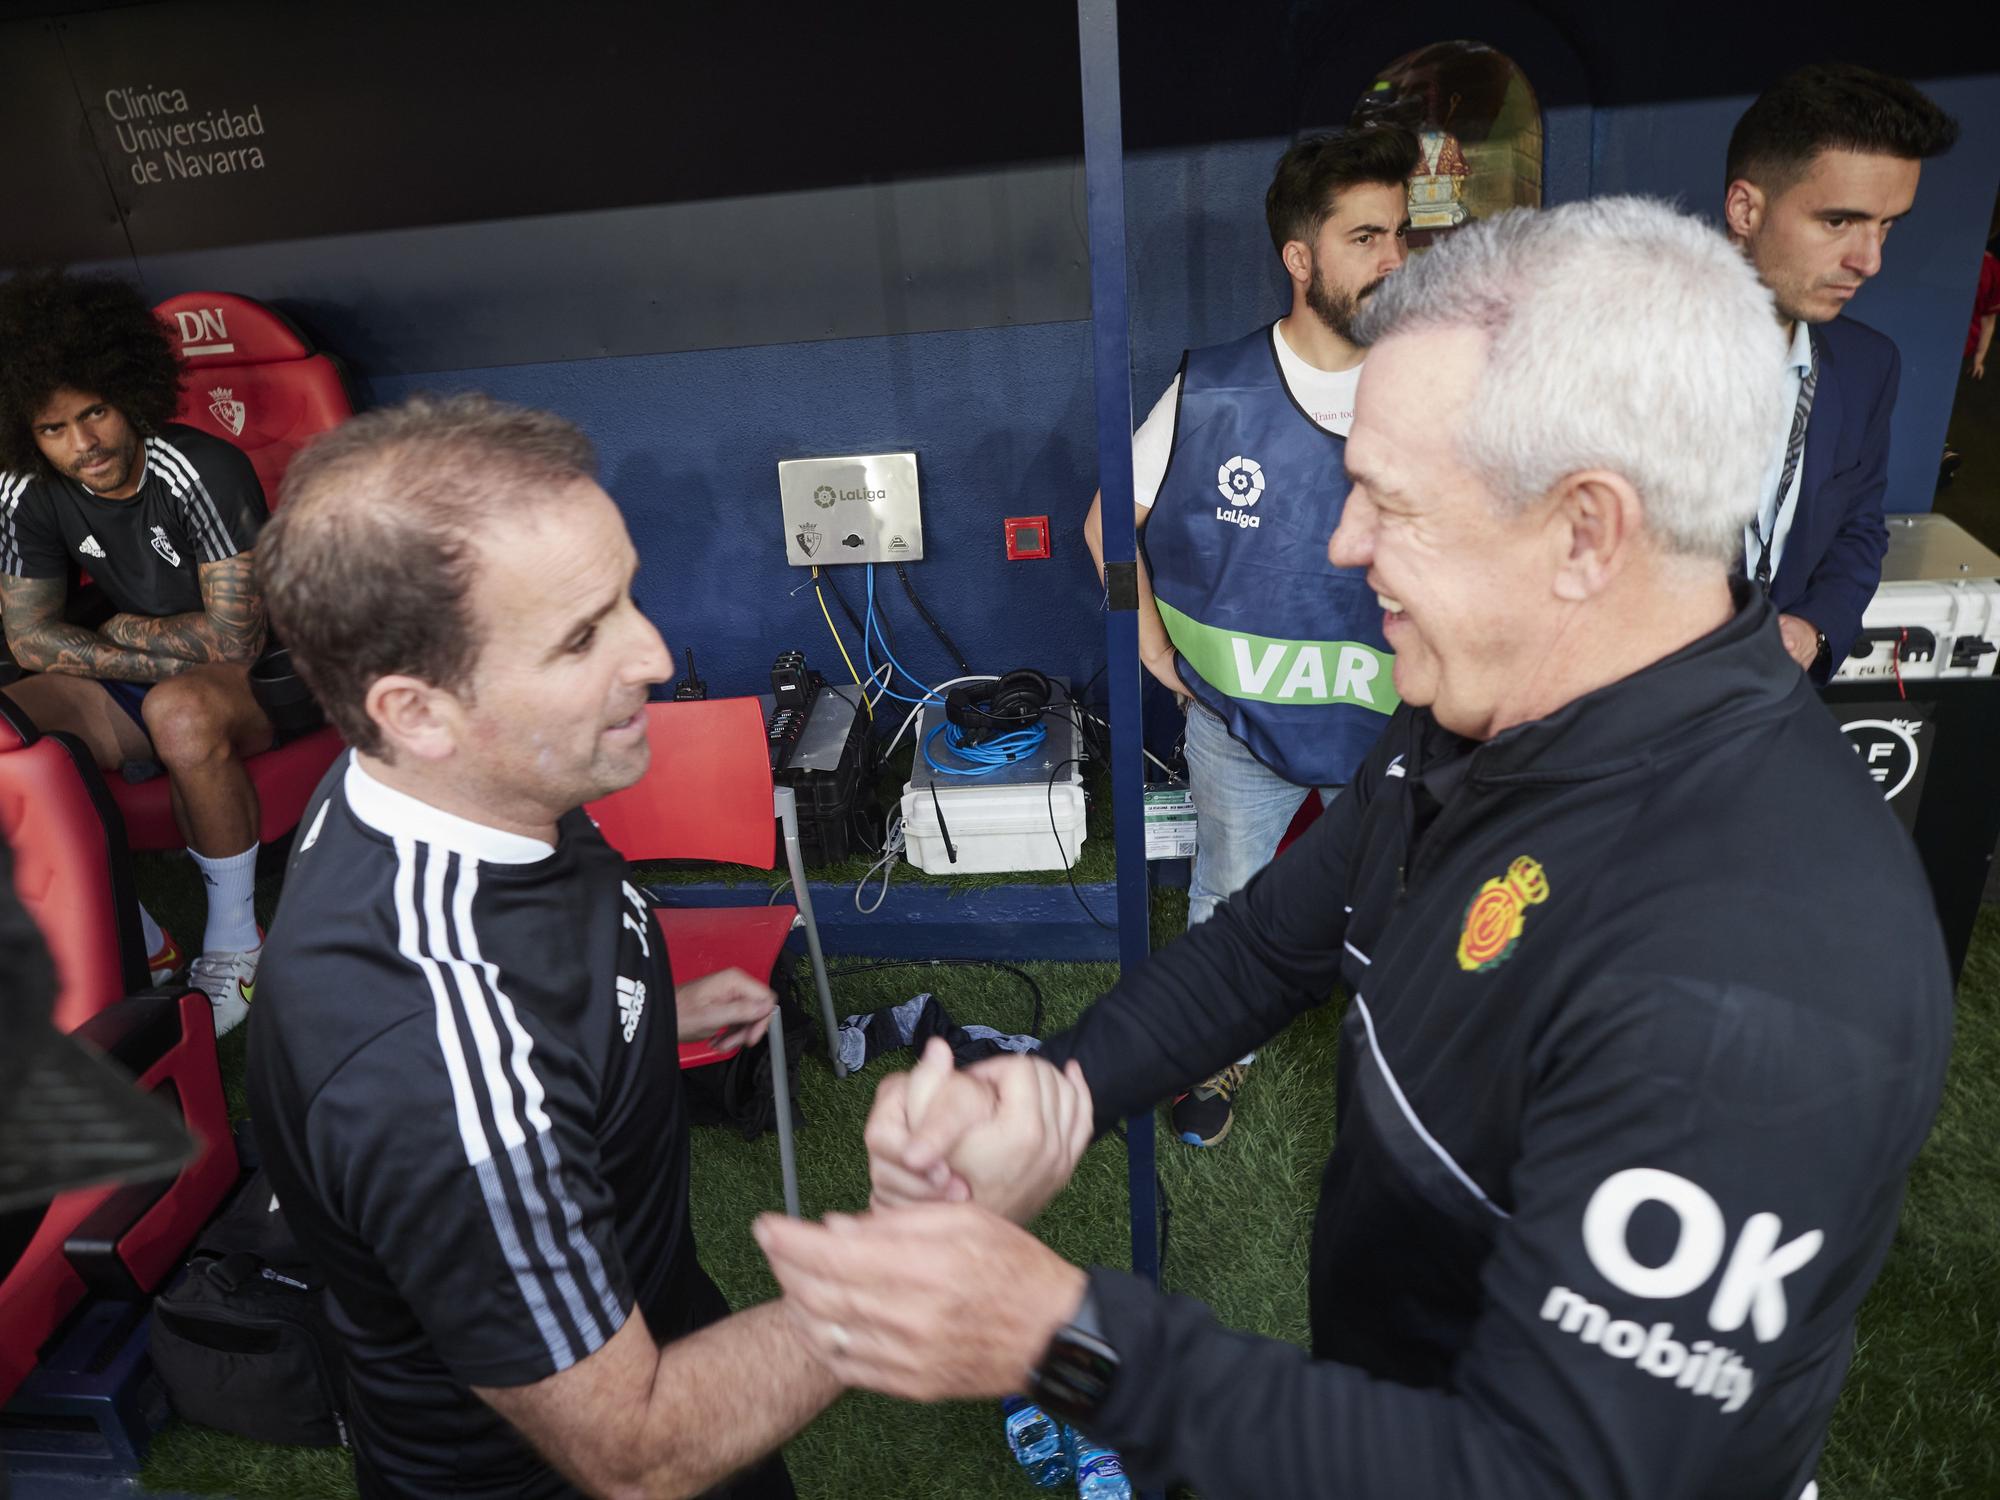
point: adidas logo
(631, 1004)
(89, 547)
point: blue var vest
(1287, 649)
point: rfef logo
(1888, 751)
(1497, 914)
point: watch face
(1075, 1377)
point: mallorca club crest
(226, 410)
(1496, 915)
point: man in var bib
(1278, 659)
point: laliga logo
(826, 494)
(227, 411)
(1241, 481)
(1496, 915)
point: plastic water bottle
(1099, 1474)
(1037, 1441)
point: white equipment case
(1936, 612)
(1011, 820)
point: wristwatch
(1078, 1370)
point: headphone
(1014, 703)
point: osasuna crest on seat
(226, 410)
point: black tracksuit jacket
(1649, 1014)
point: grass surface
(1917, 1419)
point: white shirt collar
(398, 815)
(1799, 356)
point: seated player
(95, 475)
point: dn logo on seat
(203, 332)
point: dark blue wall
(1001, 416)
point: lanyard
(1795, 445)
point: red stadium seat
(253, 380)
(707, 794)
(70, 872)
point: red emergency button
(1027, 536)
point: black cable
(826, 577)
(1069, 872)
(951, 648)
(1035, 990)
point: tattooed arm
(228, 628)
(41, 641)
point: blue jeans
(1242, 808)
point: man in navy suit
(1820, 169)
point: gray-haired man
(1624, 1121)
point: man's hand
(1006, 1132)
(1979, 367)
(727, 1009)
(937, 1301)
(1166, 672)
(1801, 639)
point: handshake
(937, 1293)
(1005, 1133)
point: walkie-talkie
(690, 689)
(787, 724)
(792, 682)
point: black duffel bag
(241, 1340)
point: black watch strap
(1079, 1368)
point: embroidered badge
(1495, 917)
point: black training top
(198, 502)
(1649, 1014)
(464, 1077)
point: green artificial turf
(1917, 1419)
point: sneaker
(165, 963)
(1202, 1116)
(229, 980)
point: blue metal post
(1104, 179)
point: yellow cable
(842, 645)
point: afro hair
(85, 333)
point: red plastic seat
(70, 872)
(253, 380)
(707, 794)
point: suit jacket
(1833, 554)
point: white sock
(232, 887)
(149, 931)
(1246, 1059)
